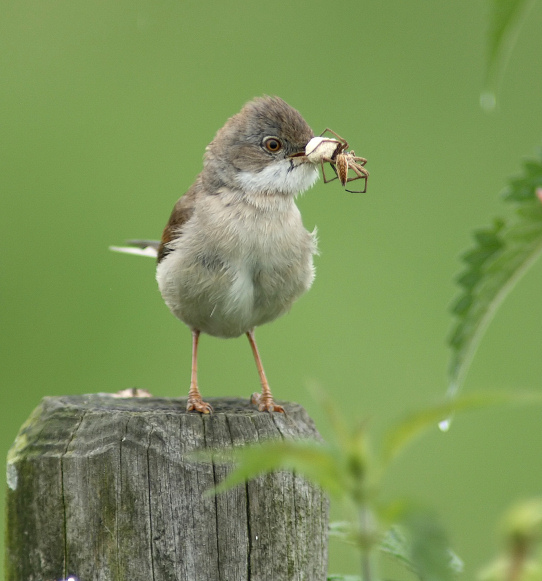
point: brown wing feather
(182, 212)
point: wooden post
(101, 488)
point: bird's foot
(265, 403)
(198, 405)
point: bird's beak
(298, 154)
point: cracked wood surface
(102, 488)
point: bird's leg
(194, 396)
(263, 400)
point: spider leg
(359, 170)
(363, 191)
(326, 181)
(361, 173)
(341, 139)
(359, 160)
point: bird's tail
(139, 247)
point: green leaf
(343, 469)
(501, 255)
(430, 551)
(343, 530)
(351, 449)
(421, 546)
(504, 25)
(412, 425)
(395, 545)
(318, 462)
(351, 534)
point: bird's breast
(234, 268)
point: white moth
(319, 148)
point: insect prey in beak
(333, 151)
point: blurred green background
(106, 108)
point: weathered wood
(102, 488)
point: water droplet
(488, 101)
(444, 425)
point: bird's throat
(286, 176)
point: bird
(234, 253)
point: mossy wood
(104, 489)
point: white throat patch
(284, 177)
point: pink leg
(263, 400)
(195, 403)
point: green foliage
(504, 22)
(421, 546)
(318, 462)
(521, 556)
(349, 469)
(428, 547)
(504, 15)
(501, 255)
(401, 433)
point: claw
(266, 404)
(198, 405)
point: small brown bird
(235, 254)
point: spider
(341, 161)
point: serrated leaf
(429, 551)
(395, 545)
(420, 545)
(501, 256)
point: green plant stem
(367, 529)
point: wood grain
(105, 489)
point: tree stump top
(106, 401)
(107, 488)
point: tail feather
(139, 247)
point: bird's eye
(272, 144)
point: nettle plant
(351, 470)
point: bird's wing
(182, 212)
